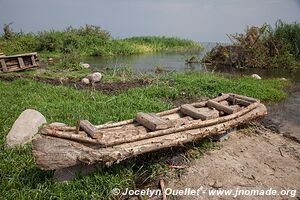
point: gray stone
(256, 76)
(95, 77)
(24, 128)
(85, 81)
(85, 65)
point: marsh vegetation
(260, 47)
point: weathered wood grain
(54, 153)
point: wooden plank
(20, 55)
(33, 60)
(89, 128)
(152, 121)
(200, 113)
(3, 64)
(21, 62)
(220, 107)
(235, 100)
(252, 100)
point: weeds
(260, 47)
(87, 41)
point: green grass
(88, 41)
(21, 179)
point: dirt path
(257, 161)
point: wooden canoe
(62, 146)
(18, 62)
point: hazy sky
(202, 20)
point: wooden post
(4, 67)
(34, 63)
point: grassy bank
(21, 179)
(87, 41)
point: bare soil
(257, 159)
(105, 87)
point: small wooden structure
(63, 146)
(18, 62)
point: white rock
(85, 81)
(24, 128)
(85, 65)
(256, 76)
(58, 124)
(95, 77)
(283, 79)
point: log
(220, 107)
(55, 153)
(252, 100)
(89, 129)
(152, 121)
(80, 137)
(202, 113)
(20, 55)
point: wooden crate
(18, 62)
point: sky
(200, 20)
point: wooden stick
(77, 126)
(89, 128)
(220, 107)
(252, 100)
(162, 186)
(76, 137)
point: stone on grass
(95, 77)
(85, 81)
(85, 65)
(24, 128)
(283, 79)
(256, 76)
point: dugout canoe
(18, 62)
(62, 146)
